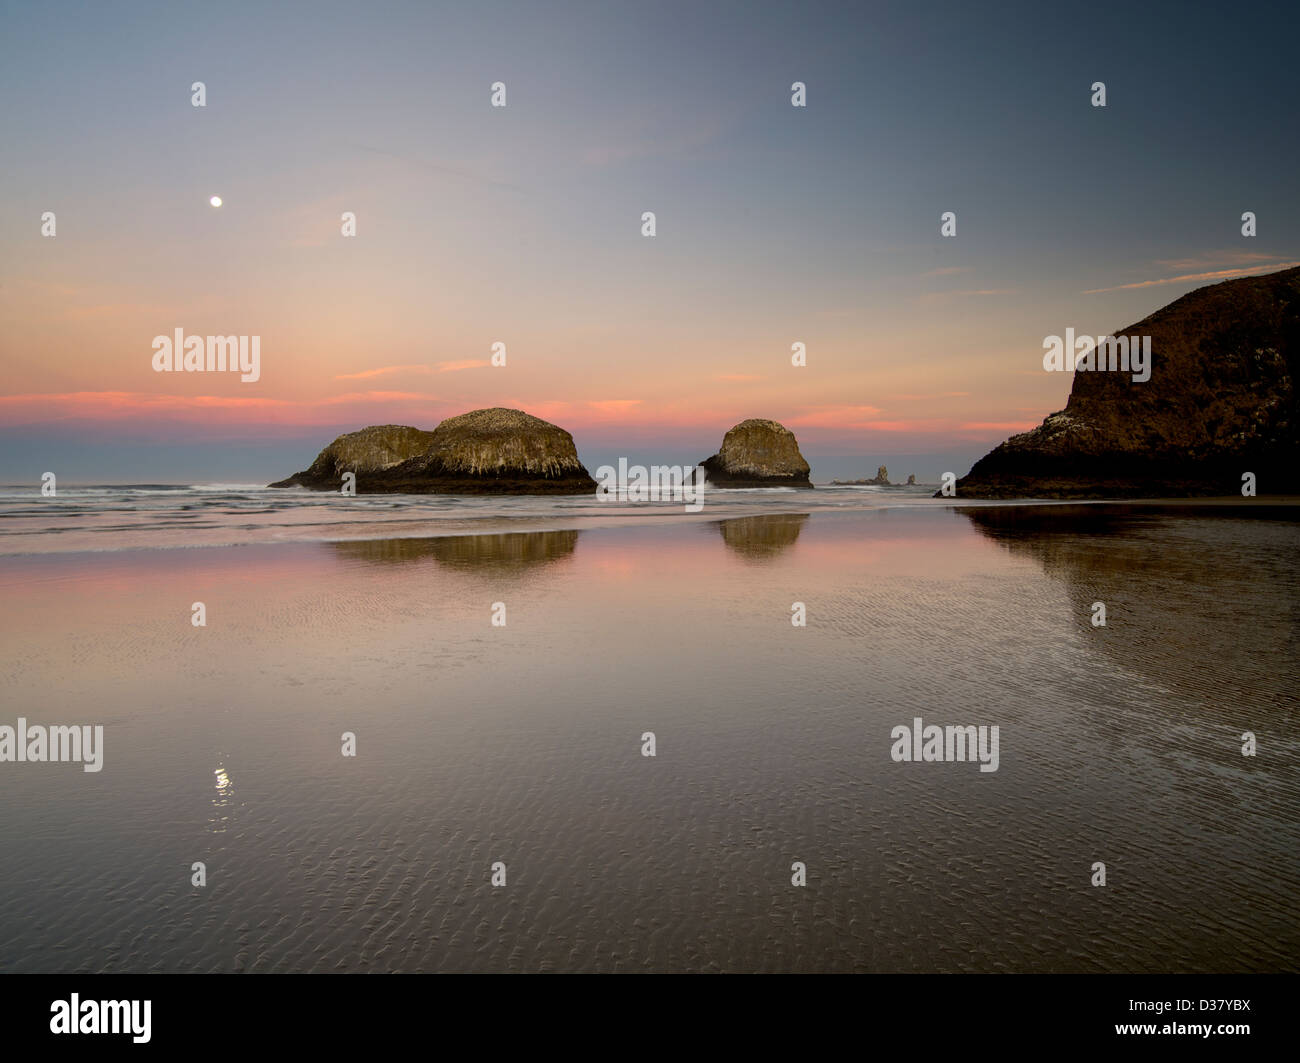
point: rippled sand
(522, 744)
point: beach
(522, 743)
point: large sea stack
(495, 451)
(758, 453)
(1221, 402)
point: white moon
(215, 201)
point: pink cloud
(834, 417)
(897, 426)
(998, 426)
(240, 409)
(613, 405)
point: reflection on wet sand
(503, 551)
(1200, 601)
(762, 538)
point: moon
(215, 201)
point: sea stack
(1222, 401)
(493, 451)
(758, 453)
(881, 479)
(367, 451)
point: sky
(522, 224)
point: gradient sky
(522, 224)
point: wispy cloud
(934, 395)
(1217, 258)
(384, 371)
(613, 405)
(128, 405)
(947, 271)
(835, 417)
(441, 367)
(895, 426)
(998, 426)
(1186, 278)
(108, 402)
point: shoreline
(439, 527)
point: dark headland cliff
(1221, 401)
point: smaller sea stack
(758, 453)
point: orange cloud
(441, 367)
(382, 372)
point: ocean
(499, 664)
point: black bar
(228, 1014)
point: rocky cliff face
(1221, 401)
(366, 451)
(758, 453)
(496, 451)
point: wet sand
(522, 744)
